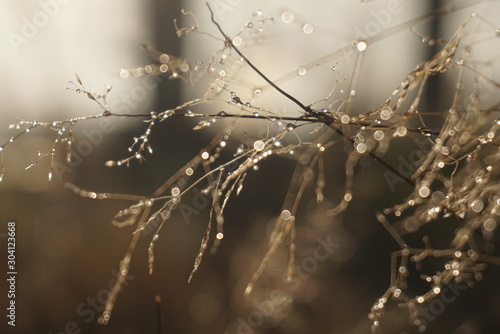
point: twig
(229, 42)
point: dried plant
(456, 180)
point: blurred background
(68, 252)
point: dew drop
(248, 290)
(1, 148)
(385, 113)
(259, 145)
(345, 119)
(205, 155)
(489, 225)
(287, 17)
(361, 46)
(477, 205)
(425, 131)
(237, 41)
(235, 98)
(301, 71)
(164, 58)
(424, 192)
(378, 135)
(307, 28)
(221, 114)
(290, 127)
(361, 148)
(222, 73)
(257, 92)
(256, 114)
(175, 191)
(401, 131)
(220, 236)
(285, 215)
(438, 197)
(189, 171)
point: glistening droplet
(287, 17)
(424, 192)
(361, 46)
(285, 214)
(175, 191)
(385, 113)
(237, 41)
(301, 71)
(307, 28)
(259, 145)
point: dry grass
(456, 179)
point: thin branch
(229, 42)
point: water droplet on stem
(308, 28)
(287, 17)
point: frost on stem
(456, 179)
